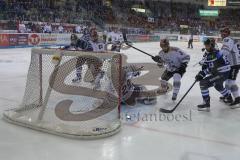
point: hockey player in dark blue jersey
(79, 43)
(215, 70)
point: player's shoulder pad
(177, 50)
(161, 52)
(225, 40)
(228, 40)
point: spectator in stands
(60, 29)
(78, 29)
(22, 28)
(47, 28)
(168, 16)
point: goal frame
(41, 100)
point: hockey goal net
(53, 103)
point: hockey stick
(126, 42)
(195, 64)
(172, 110)
(203, 59)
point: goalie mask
(164, 44)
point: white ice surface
(201, 136)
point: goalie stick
(172, 110)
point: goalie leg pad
(148, 100)
(145, 100)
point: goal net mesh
(54, 103)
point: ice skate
(205, 106)
(228, 99)
(235, 103)
(174, 96)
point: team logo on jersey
(34, 39)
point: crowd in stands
(32, 13)
(160, 15)
(34, 10)
(31, 27)
(171, 16)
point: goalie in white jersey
(176, 63)
(231, 50)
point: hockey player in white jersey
(231, 50)
(94, 45)
(115, 38)
(88, 42)
(176, 63)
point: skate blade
(204, 109)
(235, 106)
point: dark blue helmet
(86, 31)
(210, 41)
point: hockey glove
(157, 59)
(200, 76)
(204, 66)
